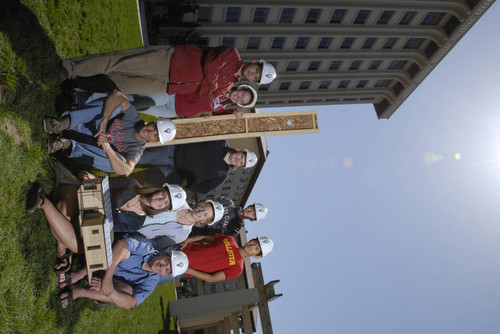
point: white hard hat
(268, 73)
(251, 159)
(266, 245)
(218, 211)
(166, 129)
(179, 263)
(260, 211)
(177, 196)
(252, 101)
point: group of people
(159, 236)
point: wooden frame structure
(198, 129)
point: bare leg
(96, 295)
(61, 227)
(75, 277)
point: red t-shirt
(191, 104)
(222, 254)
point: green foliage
(34, 37)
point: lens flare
(431, 158)
(348, 162)
(458, 156)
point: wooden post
(198, 129)
(234, 323)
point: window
(361, 83)
(253, 43)
(204, 14)
(390, 42)
(249, 170)
(368, 44)
(362, 16)
(349, 99)
(287, 15)
(407, 17)
(296, 101)
(244, 179)
(233, 14)
(325, 43)
(260, 14)
(302, 42)
(313, 15)
(397, 64)
(285, 85)
(432, 19)
(367, 99)
(278, 43)
(343, 83)
(313, 65)
(413, 43)
(276, 102)
(334, 66)
(332, 100)
(228, 41)
(324, 84)
(385, 16)
(264, 87)
(314, 100)
(338, 16)
(226, 188)
(375, 64)
(347, 43)
(292, 66)
(383, 83)
(241, 186)
(355, 65)
(305, 84)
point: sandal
(36, 197)
(68, 298)
(66, 258)
(67, 280)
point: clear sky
(392, 226)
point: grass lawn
(34, 36)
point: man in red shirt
(183, 69)
(218, 258)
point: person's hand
(84, 175)
(102, 140)
(184, 243)
(239, 114)
(95, 284)
(102, 128)
(106, 286)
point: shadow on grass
(31, 82)
(165, 316)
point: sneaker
(56, 144)
(53, 126)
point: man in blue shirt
(131, 277)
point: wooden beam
(234, 323)
(198, 129)
(247, 319)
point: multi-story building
(338, 52)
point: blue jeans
(84, 124)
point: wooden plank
(190, 130)
(227, 325)
(234, 323)
(247, 319)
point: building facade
(337, 52)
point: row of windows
(354, 65)
(325, 84)
(260, 14)
(329, 100)
(302, 43)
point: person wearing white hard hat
(184, 105)
(109, 136)
(132, 276)
(131, 204)
(218, 258)
(198, 167)
(170, 228)
(233, 219)
(154, 69)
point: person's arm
(121, 299)
(196, 239)
(120, 253)
(227, 63)
(120, 167)
(115, 100)
(207, 277)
